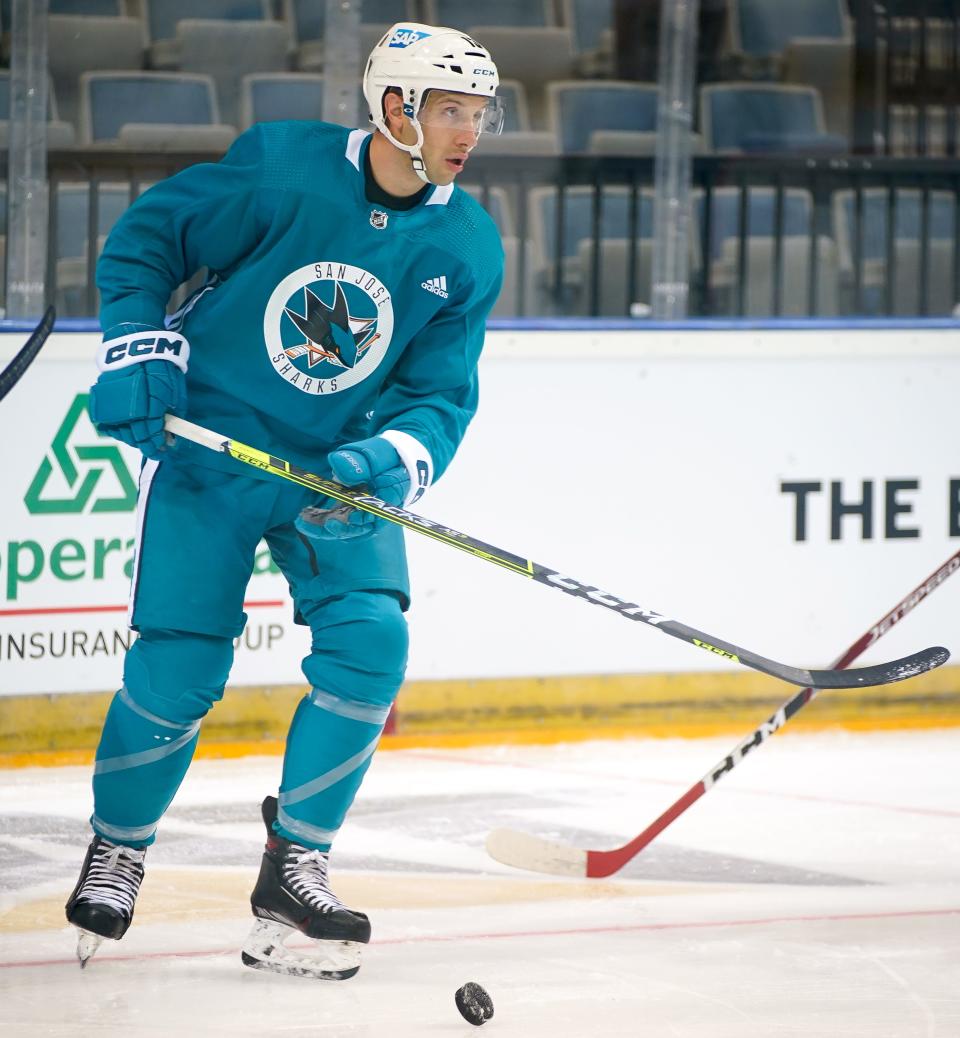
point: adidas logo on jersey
(438, 286)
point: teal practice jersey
(324, 318)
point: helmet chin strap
(413, 150)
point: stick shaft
(880, 674)
(14, 371)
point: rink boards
(781, 488)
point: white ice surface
(814, 893)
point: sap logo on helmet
(404, 37)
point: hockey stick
(13, 372)
(524, 851)
(880, 674)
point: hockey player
(340, 326)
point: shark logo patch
(327, 326)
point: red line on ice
(512, 934)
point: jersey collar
(357, 141)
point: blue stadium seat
(459, 14)
(78, 43)
(73, 211)
(181, 108)
(764, 236)
(809, 43)
(272, 96)
(871, 237)
(578, 205)
(71, 242)
(161, 16)
(93, 7)
(307, 18)
(228, 50)
(576, 110)
(591, 23)
(761, 214)
(577, 249)
(907, 204)
(98, 7)
(764, 117)
(764, 27)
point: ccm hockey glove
(142, 377)
(375, 465)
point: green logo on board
(78, 477)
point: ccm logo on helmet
(484, 72)
(404, 37)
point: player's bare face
(451, 127)
(450, 123)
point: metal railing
(770, 236)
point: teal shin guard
(140, 764)
(359, 642)
(170, 681)
(312, 806)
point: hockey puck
(475, 1005)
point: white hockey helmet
(416, 58)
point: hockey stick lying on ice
(880, 674)
(524, 851)
(13, 372)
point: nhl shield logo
(327, 326)
(378, 219)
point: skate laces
(114, 876)
(305, 871)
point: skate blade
(87, 944)
(264, 949)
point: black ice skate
(293, 895)
(101, 904)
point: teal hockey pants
(198, 532)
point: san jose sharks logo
(332, 334)
(327, 326)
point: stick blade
(523, 851)
(883, 673)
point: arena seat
(565, 289)
(868, 241)
(151, 110)
(78, 43)
(809, 42)
(307, 21)
(765, 117)
(576, 110)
